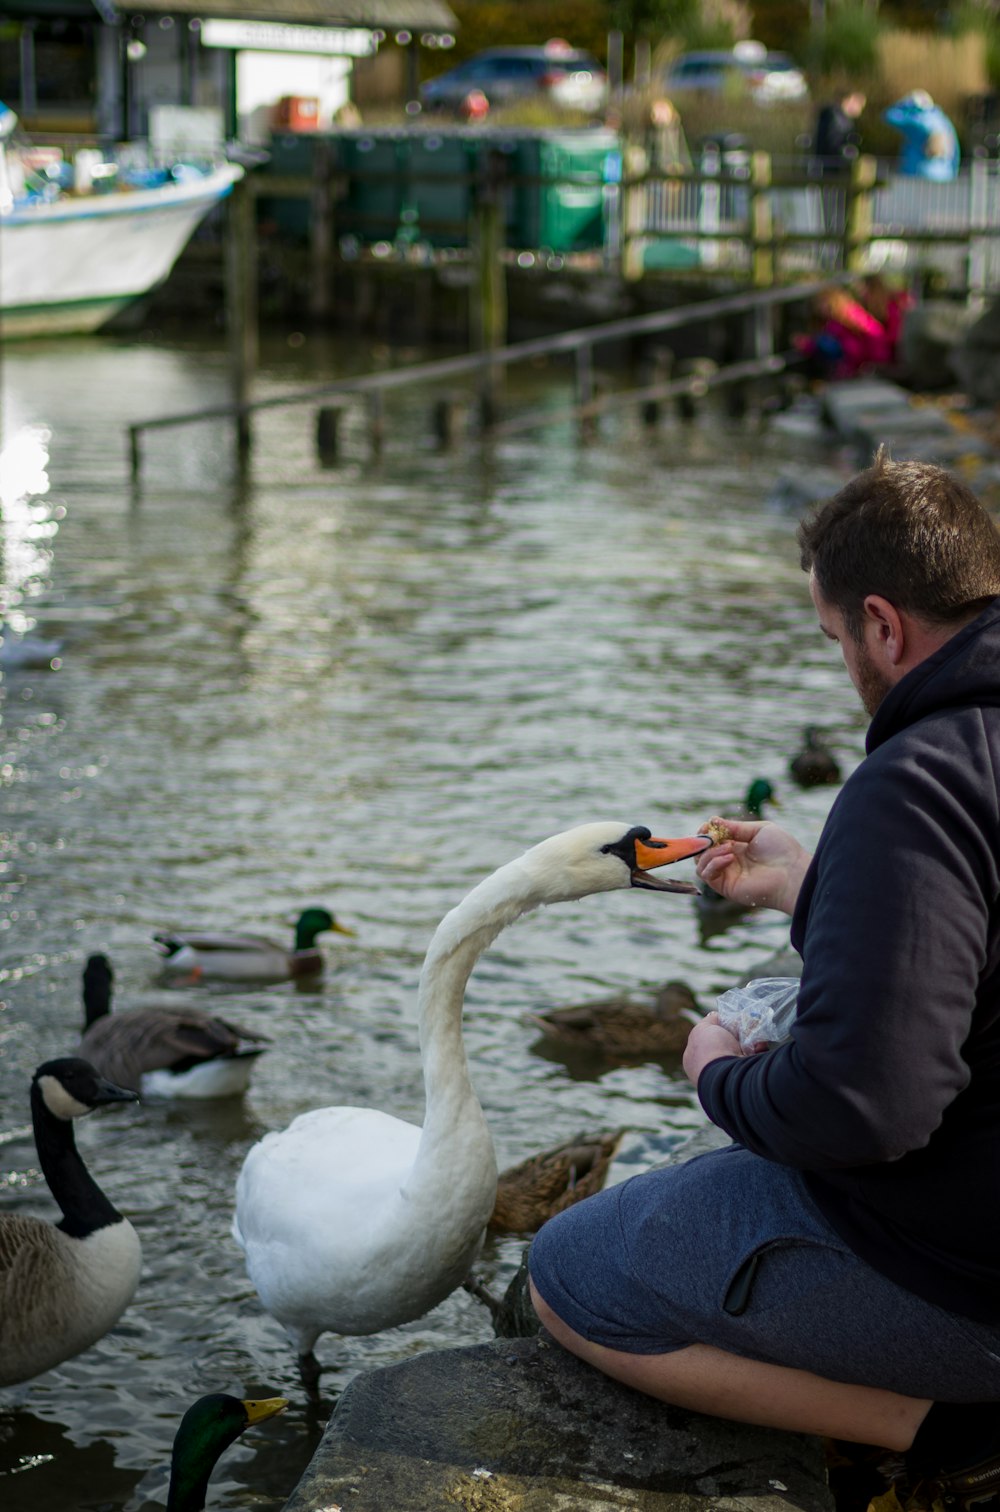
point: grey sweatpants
(666, 1260)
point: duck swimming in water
(227, 956)
(815, 764)
(206, 1430)
(716, 913)
(621, 1029)
(533, 1191)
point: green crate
(291, 156)
(425, 195)
(563, 217)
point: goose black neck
(96, 996)
(84, 1206)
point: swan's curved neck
(84, 1206)
(458, 942)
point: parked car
(768, 77)
(566, 75)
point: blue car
(566, 75)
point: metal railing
(875, 220)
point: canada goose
(352, 1221)
(620, 1028)
(532, 1192)
(62, 1286)
(163, 1051)
(207, 1428)
(815, 765)
(227, 956)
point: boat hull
(69, 266)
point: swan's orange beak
(652, 853)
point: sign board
(276, 36)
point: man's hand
(708, 1041)
(759, 866)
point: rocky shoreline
(519, 1425)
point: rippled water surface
(367, 687)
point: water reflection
(28, 527)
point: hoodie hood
(964, 671)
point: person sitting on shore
(846, 338)
(836, 1269)
(889, 304)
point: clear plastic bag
(761, 1012)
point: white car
(768, 77)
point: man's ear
(889, 629)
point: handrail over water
(565, 343)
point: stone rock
(932, 331)
(522, 1426)
(976, 357)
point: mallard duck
(207, 1428)
(715, 912)
(163, 1051)
(759, 792)
(620, 1028)
(815, 765)
(230, 957)
(63, 1286)
(353, 1221)
(532, 1192)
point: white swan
(62, 1286)
(353, 1221)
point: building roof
(386, 15)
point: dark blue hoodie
(887, 1095)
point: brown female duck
(531, 1193)
(618, 1027)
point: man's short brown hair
(909, 531)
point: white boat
(70, 262)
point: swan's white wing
(318, 1212)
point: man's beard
(871, 684)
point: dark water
(365, 687)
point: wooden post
(376, 420)
(858, 219)
(633, 210)
(328, 420)
(642, 63)
(448, 417)
(488, 315)
(761, 226)
(321, 230)
(616, 66)
(699, 370)
(241, 300)
(978, 261)
(135, 458)
(585, 389)
(656, 369)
